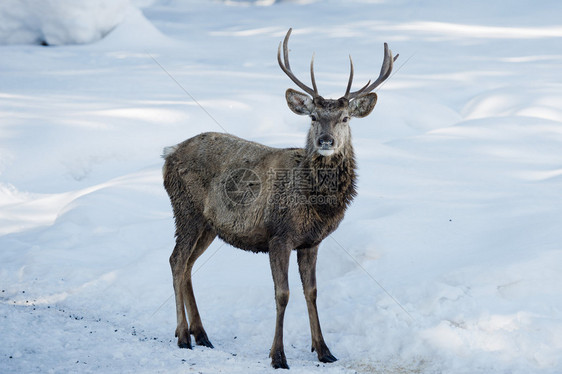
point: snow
(447, 262)
(59, 22)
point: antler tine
(312, 76)
(286, 67)
(386, 69)
(360, 91)
(350, 81)
(286, 48)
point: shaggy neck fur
(340, 170)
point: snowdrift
(59, 22)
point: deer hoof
(327, 358)
(184, 340)
(278, 360)
(324, 354)
(202, 339)
(185, 345)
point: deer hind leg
(196, 326)
(307, 268)
(188, 248)
(178, 262)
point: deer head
(330, 117)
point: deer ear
(363, 106)
(299, 102)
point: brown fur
(281, 217)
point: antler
(286, 67)
(386, 69)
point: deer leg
(178, 262)
(307, 268)
(196, 326)
(279, 261)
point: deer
(269, 200)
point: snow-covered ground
(449, 260)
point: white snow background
(449, 260)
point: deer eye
(313, 118)
(345, 119)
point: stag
(263, 199)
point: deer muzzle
(326, 145)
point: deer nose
(326, 142)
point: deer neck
(333, 178)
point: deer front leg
(279, 261)
(307, 269)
